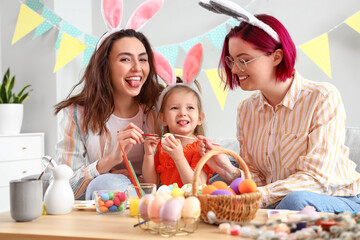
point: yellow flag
(218, 86)
(318, 50)
(178, 72)
(69, 48)
(26, 22)
(354, 21)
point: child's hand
(150, 145)
(173, 147)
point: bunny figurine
(59, 197)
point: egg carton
(169, 228)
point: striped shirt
(82, 151)
(299, 144)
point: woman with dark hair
(292, 130)
(116, 105)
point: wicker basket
(236, 208)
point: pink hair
(264, 42)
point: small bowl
(110, 201)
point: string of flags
(71, 41)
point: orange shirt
(166, 167)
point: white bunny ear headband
(191, 69)
(233, 10)
(112, 14)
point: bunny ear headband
(191, 69)
(112, 14)
(233, 10)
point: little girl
(180, 114)
(175, 159)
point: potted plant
(11, 107)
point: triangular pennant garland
(217, 36)
(318, 51)
(218, 86)
(170, 52)
(70, 30)
(51, 20)
(26, 22)
(91, 42)
(188, 44)
(178, 72)
(34, 4)
(69, 48)
(354, 22)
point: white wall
(178, 21)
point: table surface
(88, 224)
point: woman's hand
(219, 163)
(127, 137)
(150, 145)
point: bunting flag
(178, 72)
(318, 51)
(217, 36)
(170, 52)
(233, 22)
(354, 22)
(90, 42)
(26, 22)
(69, 48)
(217, 86)
(34, 4)
(51, 20)
(188, 44)
(70, 30)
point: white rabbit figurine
(59, 197)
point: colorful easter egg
(221, 192)
(220, 185)
(170, 212)
(235, 185)
(208, 189)
(144, 205)
(191, 210)
(247, 186)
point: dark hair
(96, 96)
(264, 42)
(200, 129)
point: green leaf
(24, 97)
(6, 94)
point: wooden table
(88, 224)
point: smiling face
(181, 112)
(129, 66)
(259, 73)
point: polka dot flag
(51, 21)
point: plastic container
(110, 201)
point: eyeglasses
(240, 63)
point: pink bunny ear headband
(112, 14)
(233, 10)
(191, 69)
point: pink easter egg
(235, 185)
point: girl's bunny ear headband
(233, 10)
(112, 14)
(191, 69)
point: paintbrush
(178, 135)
